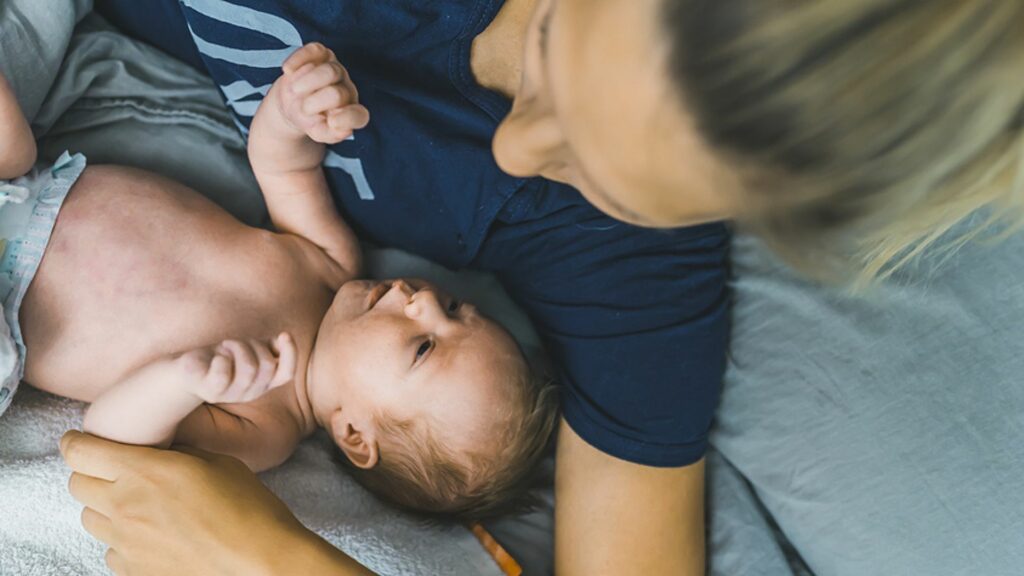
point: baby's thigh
(885, 435)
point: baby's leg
(17, 145)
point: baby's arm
(17, 145)
(262, 434)
(147, 407)
(312, 104)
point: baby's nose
(403, 287)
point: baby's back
(140, 267)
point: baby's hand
(316, 96)
(237, 371)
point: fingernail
(67, 438)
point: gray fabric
(33, 37)
(884, 434)
(122, 94)
(124, 104)
(741, 538)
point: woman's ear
(357, 441)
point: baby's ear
(357, 440)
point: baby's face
(408, 350)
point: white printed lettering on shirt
(238, 94)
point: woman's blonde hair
(866, 129)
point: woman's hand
(182, 513)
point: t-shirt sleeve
(636, 321)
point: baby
(180, 324)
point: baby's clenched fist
(316, 96)
(236, 371)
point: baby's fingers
(329, 98)
(287, 359)
(349, 118)
(266, 367)
(313, 52)
(339, 124)
(322, 75)
(246, 366)
(221, 369)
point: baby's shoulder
(312, 265)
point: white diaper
(28, 210)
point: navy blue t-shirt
(636, 320)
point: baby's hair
(418, 473)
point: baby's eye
(423, 349)
(454, 305)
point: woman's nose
(529, 142)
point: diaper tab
(13, 193)
(64, 172)
(61, 162)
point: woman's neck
(496, 57)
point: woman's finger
(92, 456)
(115, 562)
(98, 526)
(91, 492)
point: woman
(818, 125)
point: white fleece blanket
(40, 534)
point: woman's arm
(615, 517)
(168, 513)
(17, 145)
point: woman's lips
(376, 293)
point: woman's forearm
(310, 554)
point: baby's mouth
(376, 293)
